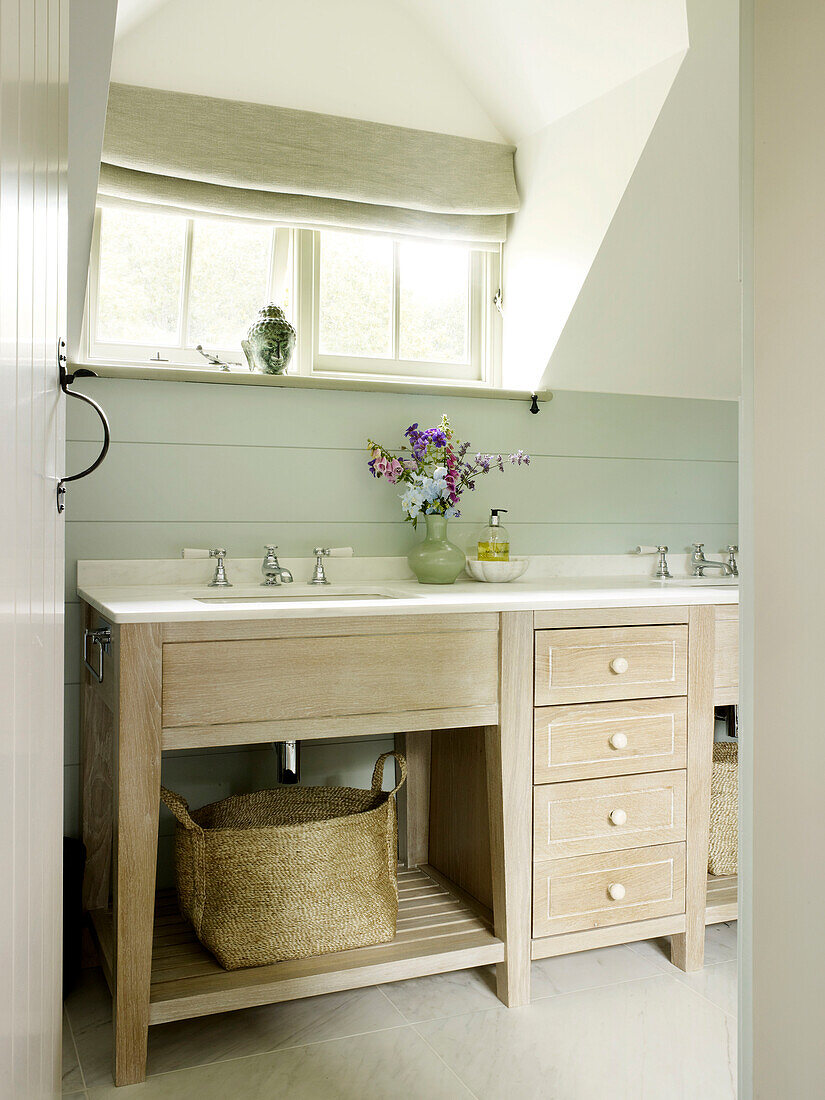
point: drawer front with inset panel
(606, 815)
(589, 740)
(582, 892)
(582, 666)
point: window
(364, 305)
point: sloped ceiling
(659, 309)
(530, 62)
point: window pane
(140, 273)
(355, 309)
(229, 282)
(434, 303)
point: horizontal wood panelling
(573, 423)
(336, 485)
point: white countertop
(173, 601)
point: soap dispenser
(494, 541)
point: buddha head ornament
(270, 342)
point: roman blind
(249, 160)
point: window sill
(300, 382)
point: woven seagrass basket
(289, 873)
(724, 800)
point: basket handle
(378, 772)
(180, 808)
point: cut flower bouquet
(435, 469)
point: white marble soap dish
(497, 572)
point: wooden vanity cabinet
(200, 684)
(557, 796)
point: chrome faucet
(220, 580)
(700, 563)
(273, 571)
(732, 551)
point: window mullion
(396, 300)
(186, 273)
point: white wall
(647, 302)
(788, 445)
(361, 59)
(571, 176)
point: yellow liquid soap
(494, 551)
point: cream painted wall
(362, 59)
(647, 302)
(788, 456)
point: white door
(33, 142)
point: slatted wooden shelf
(437, 932)
(722, 903)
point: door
(33, 137)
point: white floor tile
(72, 1079)
(653, 1039)
(720, 947)
(717, 983)
(589, 970)
(207, 1039)
(439, 995)
(384, 1066)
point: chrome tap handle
(318, 575)
(732, 551)
(220, 580)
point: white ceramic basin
(703, 582)
(289, 593)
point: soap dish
(497, 572)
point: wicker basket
(289, 873)
(724, 798)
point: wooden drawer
(588, 740)
(726, 657)
(607, 815)
(205, 683)
(636, 662)
(573, 894)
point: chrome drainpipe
(289, 761)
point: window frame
(294, 265)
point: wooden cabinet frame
(472, 863)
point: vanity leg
(415, 801)
(688, 948)
(137, 793)
(509, 753)
(96, 748)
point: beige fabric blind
(254, 161)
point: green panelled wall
(240, 466)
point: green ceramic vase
(436, 560)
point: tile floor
(619, 1023)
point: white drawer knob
(619, 740)
(618, 817)
(616, 891)
(619, 665)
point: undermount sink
(704, 582)
(276, 595)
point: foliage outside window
(364, 305)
